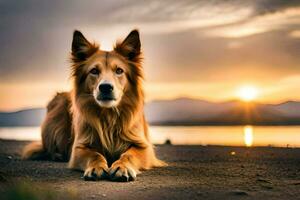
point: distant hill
(185, 111)
(30, 117)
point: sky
(192, 48)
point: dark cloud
(270, 6)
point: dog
(99, 126)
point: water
(279, 136)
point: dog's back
(56, 132)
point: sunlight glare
(248, 136)
(247, 93)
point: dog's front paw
(96, 172)
(121, 172)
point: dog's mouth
(106, 101)
(106, 98)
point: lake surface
(279, 136)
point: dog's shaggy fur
(105, 139)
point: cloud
(295, 34)
(283, 89)
(235, 18)
(260, 24)
(172, 16)
(292, 79)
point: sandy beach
(194, 172)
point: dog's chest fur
(109, 139)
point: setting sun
(247, 93)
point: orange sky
(193, 53)
(37, 95)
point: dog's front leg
(130, 162)
(91, 162)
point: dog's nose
(106, 88)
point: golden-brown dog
(100, 126)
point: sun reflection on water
(248, 136)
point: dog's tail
(34, 151)
(159, 163)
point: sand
(194, 172)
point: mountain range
(185, 111)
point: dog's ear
(130, 47)
(81, 47)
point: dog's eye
(94, 71)
(119, 71)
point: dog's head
(107, 78)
